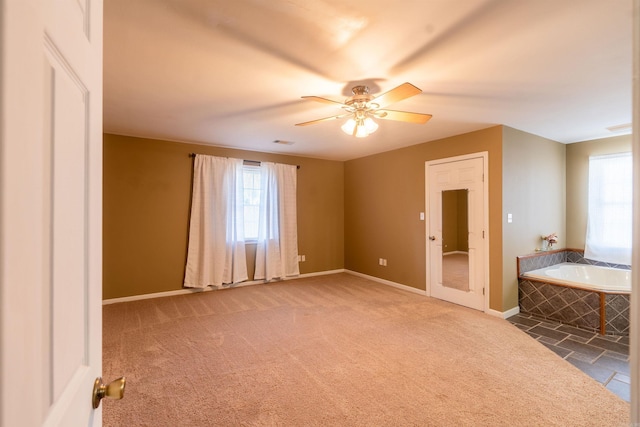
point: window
(610, 209)
(224, 190)
(251, 193)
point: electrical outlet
(304, 258)
(382, 262)
(301, 258)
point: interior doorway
(457, 239)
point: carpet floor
(336, 350)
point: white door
(456, 231)
(50, 211)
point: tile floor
(603, 358)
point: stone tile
(619, 324)
(526, 287)
(525, 303)
(558, 303)
(623, 390)
(548, 291)
(591, 321)
(624, 340)
(544, 308)
(609, 345)
(521, 327)
(587, 304)
(618, 356)
(520, 320)
(569, 295)
(532, 335)
(546, 340)
(551, 333)
(614, 338)
(585, 358)
(617, 365)
(586, 351)
(579, 339)
(622, 378)
(550, 324)
(619, 303)
(600, 374)
(576, 331)
(562, 352)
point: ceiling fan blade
(396, 94)
(402, 116)
(323, 100)
(324, 120)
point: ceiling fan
(361, 108)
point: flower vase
(545, 245)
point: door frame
(484, 155)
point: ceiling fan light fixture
(349, 126)
(360, 128)
(370, 125)
(361, 131)
(361, 108)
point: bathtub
(589, 297)
(585, 276)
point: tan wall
(533, 191)
(578, 181)
(384, 195)
(147, 185)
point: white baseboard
(388, 282)
(320, 273)
(500, 314)
(187, 291)
(504, 314)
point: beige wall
(384, 195)
(533, 191)
(578, 180)
(147, 186)
(350, 213)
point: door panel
(446, 180)
(69, 225)
(51, 211)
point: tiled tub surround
(604, 312)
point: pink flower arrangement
(551, 239)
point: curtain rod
(244, 160)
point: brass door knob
(113, 390)
(432, 238)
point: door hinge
(482, 291)
(483, 234)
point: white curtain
(216, 253)
(277, 248)
(609, 214)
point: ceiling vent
(620, 128)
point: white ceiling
(231, 72)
